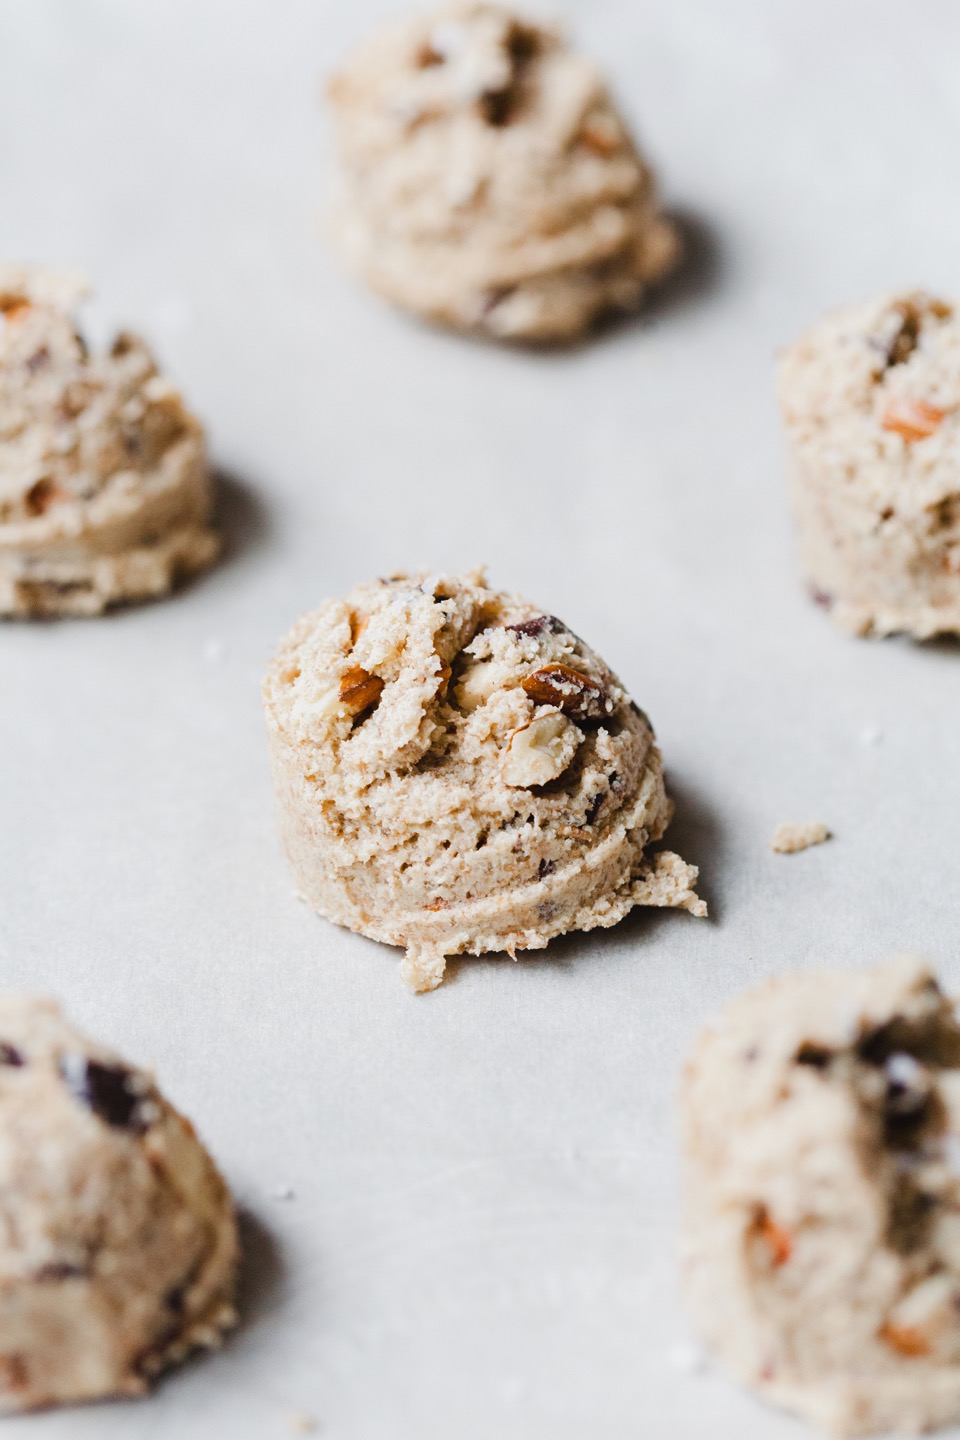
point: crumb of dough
(794, 835)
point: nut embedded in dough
(105, 493)
(487, 181)
(118, 1241)
(496, 788)
(871, 405)
(821, 1233)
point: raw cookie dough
(117, 1235)
(871, 403)
(105, 493)
(458, 773)
(792, 836)
(822, 1219)
(488, 182)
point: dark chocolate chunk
(546, 868)
(816, 1055)
(38, 359)
(112, 1092)
(538, 625)
(593, 809)
(9, 1055)
(58, 1270)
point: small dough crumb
(792, 836)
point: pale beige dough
(458, 773)
(792, 836)
(486, 180)
(105, 491)
(871, 405)
(821, 1233)
(118, 1241)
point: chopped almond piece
(777, 1240)
(912, 419)
(359, 689)
(570, 690)
(19, 310)
(905, 1339)
(42, 495)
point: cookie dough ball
(117, 1235)
(458, 773)
(822, 1227)
(105, 494)
(871, 402)
(488, 182)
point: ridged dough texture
(821, 1247)
(458, 773)
(105, 493)
(487, 182)
(117, 1235)
(871, 403)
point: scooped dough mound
(488, 182)
(105, 494)
(458, 773)
(822, 1225)
(871, 403)
(117, 1235)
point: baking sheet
(461, 1207)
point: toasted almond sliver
(777, 1240)
(570, 690)
(912, 419)
(905, 1339)
(359, 689)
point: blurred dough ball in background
(487, 182)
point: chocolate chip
(907, 1086)
(903, 343)
(816, 1055)
(877, 1045)
(426, 57)
(593, 809)
(41, 495)
(112, 1092)
(546, 868)
(522, 45)
(499, 107)
(496, 105)
(9, 1055)
(491, 300)
(537, 626)
(58, 1270)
